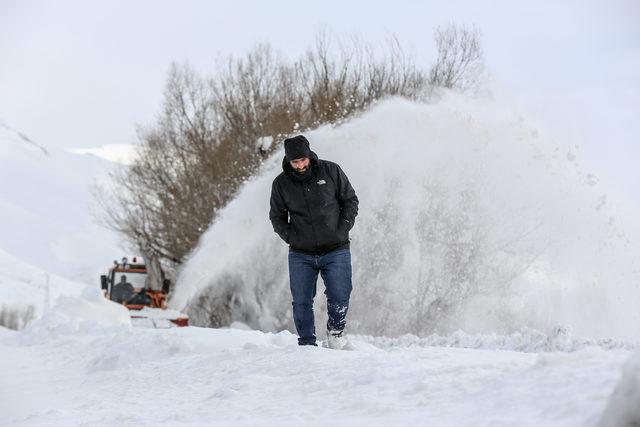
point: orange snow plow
(143, 290)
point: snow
(623, 409)
(80, 361)
(527, 340)
(119, 153)
(47, 211)
(26, 291)
(155, 318)
(154, 313)
(556, 247)
(70, 315)
(102, 373)
(264, 143)
(50, 243)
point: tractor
(143, 290)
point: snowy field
(83, 364)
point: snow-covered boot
(336, 340)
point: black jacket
(313, 213)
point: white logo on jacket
(322, 181)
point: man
(122, 291)
(313, 207)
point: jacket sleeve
(278, 213)
(347, 199)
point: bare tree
(460, 60)
(204, 145)
(162, 201)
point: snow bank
(470, 218)
(27, 291)
(623, 408)
(559, 339)
(6, 331)
(71, 315)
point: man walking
(313, 207)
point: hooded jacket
(313, 212)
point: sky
(77, 74)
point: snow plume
(470, 218)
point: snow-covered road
(117, 375)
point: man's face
(300, 165)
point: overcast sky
(81, 73)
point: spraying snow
(470, 218)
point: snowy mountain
(50, 244)
(119, 153)
(545, 243)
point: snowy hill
(546, 244)
(119, 153)
(27, 291)
(47, 230)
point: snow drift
(83, 313)
(27, 291)
(470, 218)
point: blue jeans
(335, 269)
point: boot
(336, 340)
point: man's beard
(301, 171)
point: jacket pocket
(291, 236)
(343, 229)
(287, 234)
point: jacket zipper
(306, 201)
